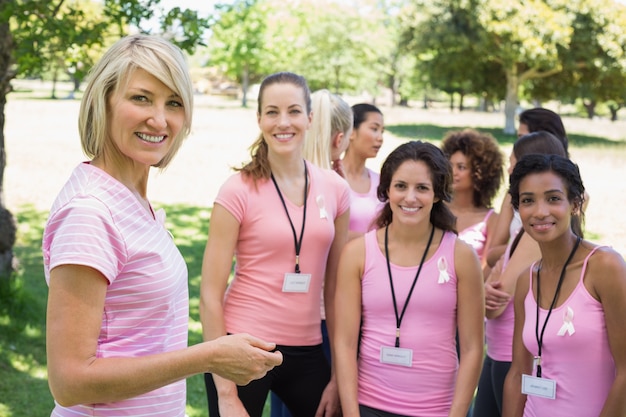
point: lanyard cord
(297, 242)
(556, 295)
(393, 293)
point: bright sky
(204, 7)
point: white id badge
(296, 282)
(540, 387)
(396, 356)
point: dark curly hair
(440, 173)
(485, 159)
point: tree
(35, 34)
(522, 38)
(594, 61)
(237, 44)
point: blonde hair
(331, 115)
(155, 55)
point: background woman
(403, 296)
(477, 174)
(530, 120)
(365, 142)
(285, 220)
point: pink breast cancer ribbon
(444, 277)
(568, 323)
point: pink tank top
(499, 330)
(364, 207)
(428, 329)
(575, 354)
(476, 235)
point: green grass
(23, 381)
(435, 133)
(23, 386)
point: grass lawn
(23, 385)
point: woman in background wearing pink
(365, 142)
(477, 173)
(406, 287)
(285, 221)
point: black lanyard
(538, 336)
(393, 293)
(297, 242)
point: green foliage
(237, 43)
(594, 61)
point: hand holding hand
(495, 297)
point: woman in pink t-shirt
(285, 221)
(569, 340)
(326, 141)
(388, 362)
(118, 306)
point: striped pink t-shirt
(97, 222)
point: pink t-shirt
(255, 301)
(365, 207)
(97, 222)
(575, 354)
(428, 329)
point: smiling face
(544, 206)
(367, 139)
(283, 118)
(144, 118)
(411, 193)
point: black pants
(299, 382)
(488, 402)
(366, 411)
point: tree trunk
(510, 105)
(7, 223)
(614, 108)
(244, 86)
(590, 107)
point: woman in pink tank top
(404, 294)
(477, 173)
(569, 340)
(366, 139)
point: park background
(431, 66)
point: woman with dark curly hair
(477, 168)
